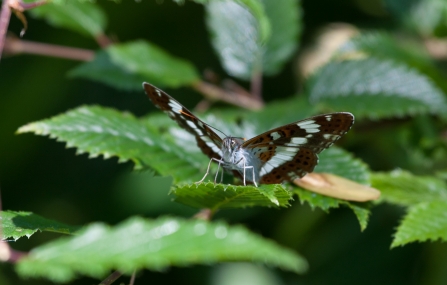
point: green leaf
(220, 196)
(339, 162)
(102, 69)
(403, 188)
(152, 63)
(342, 163)
(102, 131)
(235, 37)
(376, 89)
(258, 11)
(406, 51)
(19, 224)
(423, 222)
(80, 16)
(239, 32)
(285, 19)
(155, 245)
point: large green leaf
(219, 196)
(19, 224)
(235, 37)
(102, 69)
(153, 63)
(80, 16)
(102, 131)
(153, 244)
(375, 88)
(425, 198)
(403, 188)
(424, 221)
(285, 19)
(238, 33)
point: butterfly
(281, 154)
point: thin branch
(132, 278)
(16, 46)
(5, 16)
(256, 85)
(204, 214)
(215, 93)
(111, 278)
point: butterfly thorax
(235, 157)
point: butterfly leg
(253, 171)
(208, 169)
(217, 173)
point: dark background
(40, 175)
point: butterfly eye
(233, 142)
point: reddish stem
(16, 46)
(5, 16)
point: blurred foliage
(391, 75)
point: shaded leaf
(152, 63)
(340, 162)
(285, 19)
(220, 196)
(19, 224)
(80, 16)
(424, 221)
(102, 69)
(152, 244)
(375, 88)
(403, 188)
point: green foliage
(153, 244)
(164, 69)
(375, 88)
(286, 30)
(377, 75)
(124, 66)
(403, 188)
(82, 17)
(425, 198)
(102, 69)
(239, 36)
(19, 224)
(424, 221)
(337, 161)
(219, 196)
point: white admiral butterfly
(281, 154)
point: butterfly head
(229, 146)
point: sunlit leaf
(235, 37)
(219, 196)
(423, 222)
(375, 88)
(19, 224)
(155, 245)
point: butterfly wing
(290, 151)
(207, 140)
